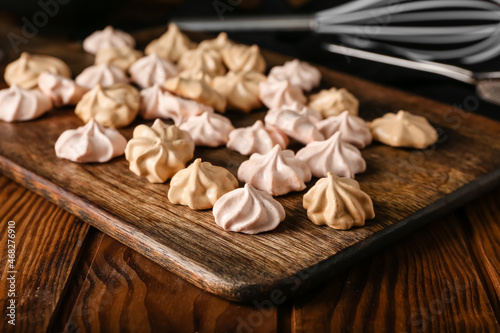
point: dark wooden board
(409, 188)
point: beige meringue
(276, 94)
(171, 45)
(25, 70)
(248, 210)
(404, 130)
(114, 106)
(277, 172)
(206, 60)
(243, 58)
(208, 129)
(122, 57)
(338, 202)
(104, 75)
(354, 129)
(196, 90)
(256, 139)
(298, 73)
(332, 102)
(196, 74)
(218, 44)
(19, 104)
(332, 155)
(152, 69)
(159, 151)
(293, 124)
(200, 185)
(107, 38)
(61, 90)
(90, 143)
(313, 115)
(241, 89)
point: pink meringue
(105, 75)
(275, 94)
(256, 139)
(152, 69)
(208, 129)
(248, 210)
(277, 172)
(294, 125)
(313, 115)
(298, 73)
(332, 155)
(354, 129)
(107, 38)
(90, 143)
(61, 90)
(19, 104)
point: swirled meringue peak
(313, 115)
(218, 44)
(256, 139)
(298, 73)
(105, 75)
(241, 89)
(332, 102)
(208, 129)
(90, 143)
(24, 71)
(114, 106)
(277, 172)
(107, 38)
(200, 185)
(404, 130)
(171, 45)
(197, 74)
(152, 69)
(196, 90)
(61, 90)
(122, 57)
(295, 125)
(19, 104)
(332, 155)
(338, 202)
(248, 210)
(205, 60)
(275, 94)
(243, 58)
(354, 129)
(159, 151)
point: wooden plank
(427, 283)
(47, 241)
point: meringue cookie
(61, 90)
(313, 115)
(208, 129)
(90, 143)
(334, 101)
(114, 106)
(198, 91)
(332, 155)
(294, 125)
(19, 104)
(205, 60)
(248, 210)
(298, 73)
(243, 58)
(218, 44)
(107, 38)
(200, 185)
(196, 74)
(171, 45)
(354, 129)
(241, 89)
(159, 151)
(256, 139)
(277, 172)
(25, 71)
(338, 202)
(152, 69)
(122, 57)
(105, 75)
(275, 94)
(404, 130)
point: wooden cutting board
(409, 188)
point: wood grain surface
(408, 188)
